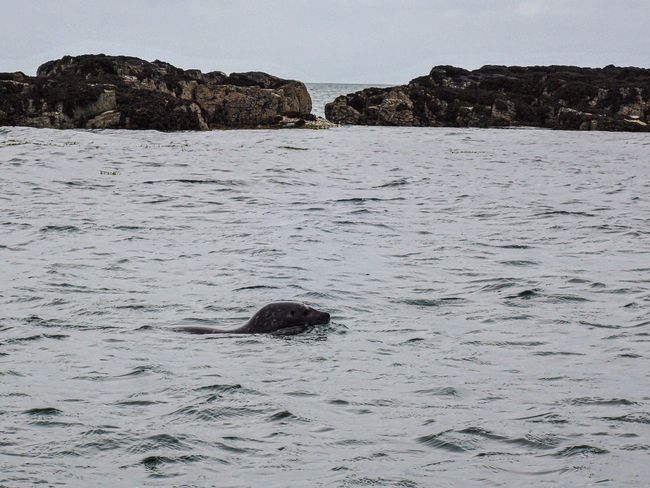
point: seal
(278, 317)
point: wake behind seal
(277, 317)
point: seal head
(277, 318)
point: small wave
(46, 411)
(339, 402)
(139, 371)
(494, 453)
(485, 215)
(558, 353)
(13, 142)
(136, 403)
(521, 262)
(394, 183)
(580, 450)
(478, 431)
(36, 337)
(600, 401)
(355, 480)
(372, 224)
(160, 200)
(86, 185)
(219, 388)
(536, 292)
(599, 326)
(545, 418)
(256, 287)
(154, 462)
(233, 449)
(506, 343)
(636, 447)
(434, 302)
(352, 442)
(526, 294)
(64, 287)
(436, 441)
(413, 340)
(216, 413)
(196, 182)
(544, 472)
(129, 227)
(442, 391)
(367, 199)
(634, 418)
(597, 284)
(301, 394)
(41, 322)
(283, 415)
(514, 246)
(59, 228)
(54, 423)
(578, 280)
(100, 430)
(499, 284)
(136, 306)
(551, 213)
(57, 337)
(293, 148)
(566, 298)
(159, 441)
(541, 442)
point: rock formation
(121, 92)
(556, 97)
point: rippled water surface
(489, 292)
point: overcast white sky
(373, 41)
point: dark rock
(99, 91)
(255, 78)
(218, 77)
(557, 97)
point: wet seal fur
(278, 318)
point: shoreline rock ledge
(123, 92)
(554, 97)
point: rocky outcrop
(556, 97)
(99, 91)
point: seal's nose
(326, 316)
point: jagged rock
(99, 91)
(310, 122)
(106, 120)
(557, 97)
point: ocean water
(489, 292)
(323, 93)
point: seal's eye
(305, 313)
(291, 313)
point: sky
(344, 41)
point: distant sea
(322, 93)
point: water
(323, 93)
(489, 289)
